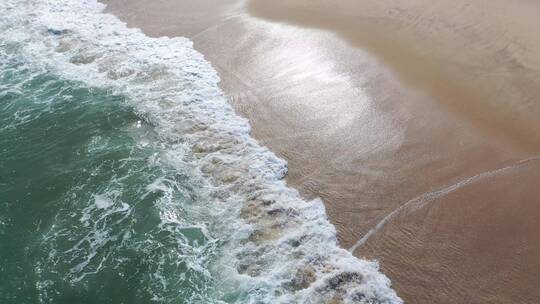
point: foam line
(428, 197)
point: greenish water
(83, 208)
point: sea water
(126, 177)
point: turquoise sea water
(80, 221)
(126, 177)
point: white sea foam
(278, 247)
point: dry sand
(376, 103)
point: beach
(128, 177)
(415, 123)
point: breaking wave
(251, 238)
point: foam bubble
(102, 201)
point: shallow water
(127, 178)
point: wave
(277, 247)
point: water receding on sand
(129, 178)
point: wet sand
(374, 104)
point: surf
(221, 197)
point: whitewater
(234, 231)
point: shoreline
(367, 137)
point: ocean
(126, 177)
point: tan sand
(406, 99)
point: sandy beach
(416, 123)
